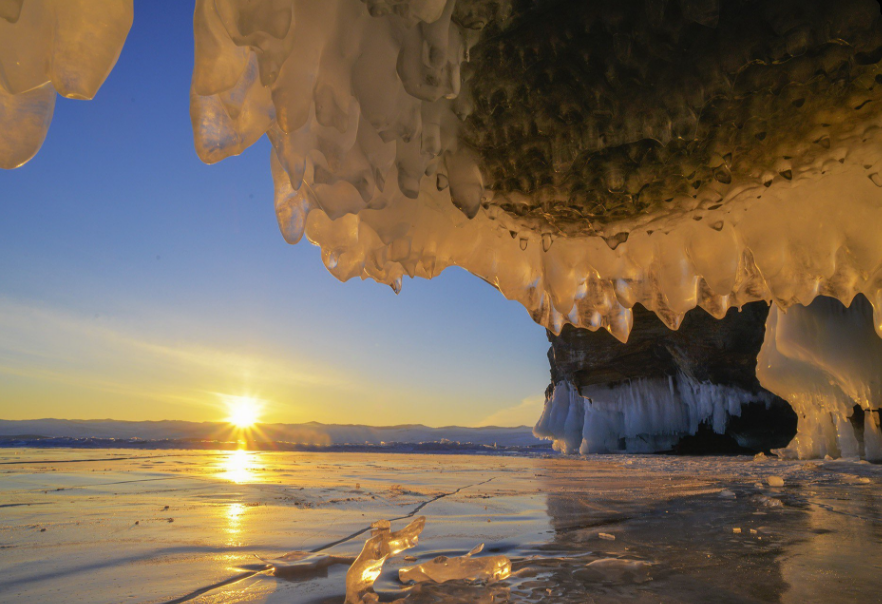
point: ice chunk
(607, 536)
(442, 568)
(383, 544)
(775, 481)
(770, 502)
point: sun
(244, 411)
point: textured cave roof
(592, 115)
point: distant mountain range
(312, 433)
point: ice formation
(384, 544)
(47, 47)
(826, 361)
(462, 568)
(642, 416)
(367, 566)
(662, 386)
(579, 156)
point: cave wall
(704, 348)
(693, 390)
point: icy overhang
(582, 157)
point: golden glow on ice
(239, 467)
(234, 514)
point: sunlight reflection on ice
(234, 523)
(239, 467)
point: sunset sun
(244, 411)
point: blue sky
(138, 283)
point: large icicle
(826, 361)
(68, 46)
(642, 416)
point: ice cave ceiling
(582, 157)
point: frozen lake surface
(111, 526)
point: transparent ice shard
(383, 544)
(462, 568)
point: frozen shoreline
(432, 447)
(110, 538)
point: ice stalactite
(826, 361)
(644, 416)
(66, 47)
(580, 157)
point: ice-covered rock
(580, 157)
(642, 416)
(826, 360)
(662, 385)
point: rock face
(693, 390)
(704, 348)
